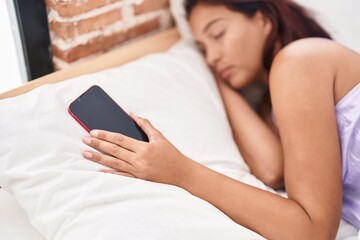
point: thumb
(146, 126)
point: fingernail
(87, 140)
(87, 154)
(94, 133)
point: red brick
(150, 6)
(104, 43)
(69, 8)
(72, 29)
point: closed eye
(218, 36)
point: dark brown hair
(290, 21)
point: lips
(224, 73)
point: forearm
(258, 144)
(268, 214)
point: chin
(238, 83)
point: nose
(213, 55)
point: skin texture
(306, 81)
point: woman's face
(232, 43)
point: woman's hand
(158, 160)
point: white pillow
(14, 222)
(64, 195)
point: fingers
(110, 149)
(116, 138)
(146, 126)
(108, 161)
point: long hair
(290, 21)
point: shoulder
(308, 49)
(309, 61)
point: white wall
(340, 17)
(12, 67)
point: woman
(315, 94)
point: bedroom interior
(106, 43)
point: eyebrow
(212, 23)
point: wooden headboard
(153, 44)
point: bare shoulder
(310, 48)
(303, 62)
(306, 54)
(316, 62)
(316, 52)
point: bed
(51, 192)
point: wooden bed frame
(153, 44)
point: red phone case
(74, 116)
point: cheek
(246, 53)
(235, 48)
(240, 49)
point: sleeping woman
(304, 135)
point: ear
(264, 21)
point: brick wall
(80, 29)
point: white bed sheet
(15, 224)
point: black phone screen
(95, 109)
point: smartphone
(95, 109)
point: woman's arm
(259, 145)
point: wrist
(187, 173)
